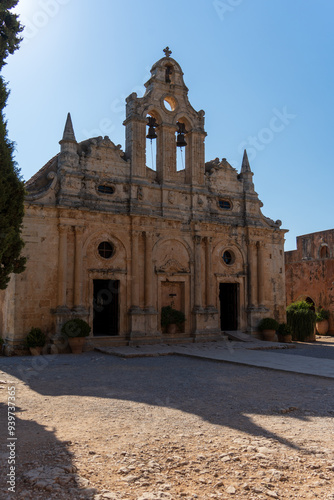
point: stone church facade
(112, 241)
(310, 272)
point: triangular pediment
(172, 266)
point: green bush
(301, 319)
(322, 314)
(75, 328)
(1, 341)
(267, 324)
(284, 330)
(35, 338)
(170, 316)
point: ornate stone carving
(172, 266)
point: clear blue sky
(262, 71)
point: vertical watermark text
(11, 439)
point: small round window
(170, 103)
(225, 204)
(106, 250)
(228, 257)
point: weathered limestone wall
(178, 237)
(310, 271)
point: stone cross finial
(167, 52)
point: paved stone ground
(97, 426)
(322, 348)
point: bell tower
(164, 114)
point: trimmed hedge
(301, 320)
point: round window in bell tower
(169, 103)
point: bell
(151, 128)
(180, 140)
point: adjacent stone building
(112, 240)
(310, 271)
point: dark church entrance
(228, 297)
(106, 294)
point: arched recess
(238, 258)
(105, 284)
(230, 285)
(167, 246)
(172, 261)
(307, 299)
(90, 249)
(324, 251)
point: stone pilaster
(195, 158)
(253, 276)
(135, 271)
(166, 153)
(62, 267)
(209, 275)
(148, 271)
(260, 273)
(197, 273)
(78, 232)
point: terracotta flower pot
(269, 335)
(35, 351)
(287, 339)
(76, 344)
(322, 327)
(172, 328)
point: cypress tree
(11, 184)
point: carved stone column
(148, 271)
(197, 277)
(260, 273)
(208, 270)
(253, 278)
(62, 266)
(78, 231)
(135, 270)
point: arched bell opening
(152, 136)
(169, 73)
(182, 143)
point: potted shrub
(268, 327)
(1, 344)
(301, 320)
(322, 321)
(171, 319)
(35, 341)
(284, 333)
(76, 330)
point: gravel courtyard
(100, 427)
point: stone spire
(245, 167)
(68, 130)
(246, 174)
(68, 142)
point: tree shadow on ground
(43, 466)
(222, 394)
